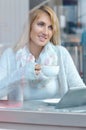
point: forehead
(43, 17)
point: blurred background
(72, 18)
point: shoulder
(61, 50)
(7, 53)
(63, 53)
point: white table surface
(34, 115)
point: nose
(46, 30)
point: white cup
(50, 70)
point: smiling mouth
(42, 39)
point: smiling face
(41, 30)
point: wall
(82, 11)
(12, 16)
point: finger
(37, 67)
(37, 72)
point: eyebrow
(44, 23)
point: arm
(72, 75)
(11, 77)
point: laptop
(74, 97)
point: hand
(37, 69)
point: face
(41, 30)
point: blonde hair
(24, 39)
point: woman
(22, 67)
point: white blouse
(19, 81)
(43, 86)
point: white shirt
(40, 87)
(12, 72)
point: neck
(35, 50)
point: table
(40, 116)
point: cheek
(33, 33)
(35, 29)
(30, 35)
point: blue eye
(40, 24)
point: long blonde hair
(24, 39)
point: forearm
(74, 79)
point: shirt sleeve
(72, 74)
(10, 76)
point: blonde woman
(23, 76)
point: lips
(42, 38)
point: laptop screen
(73, 97)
